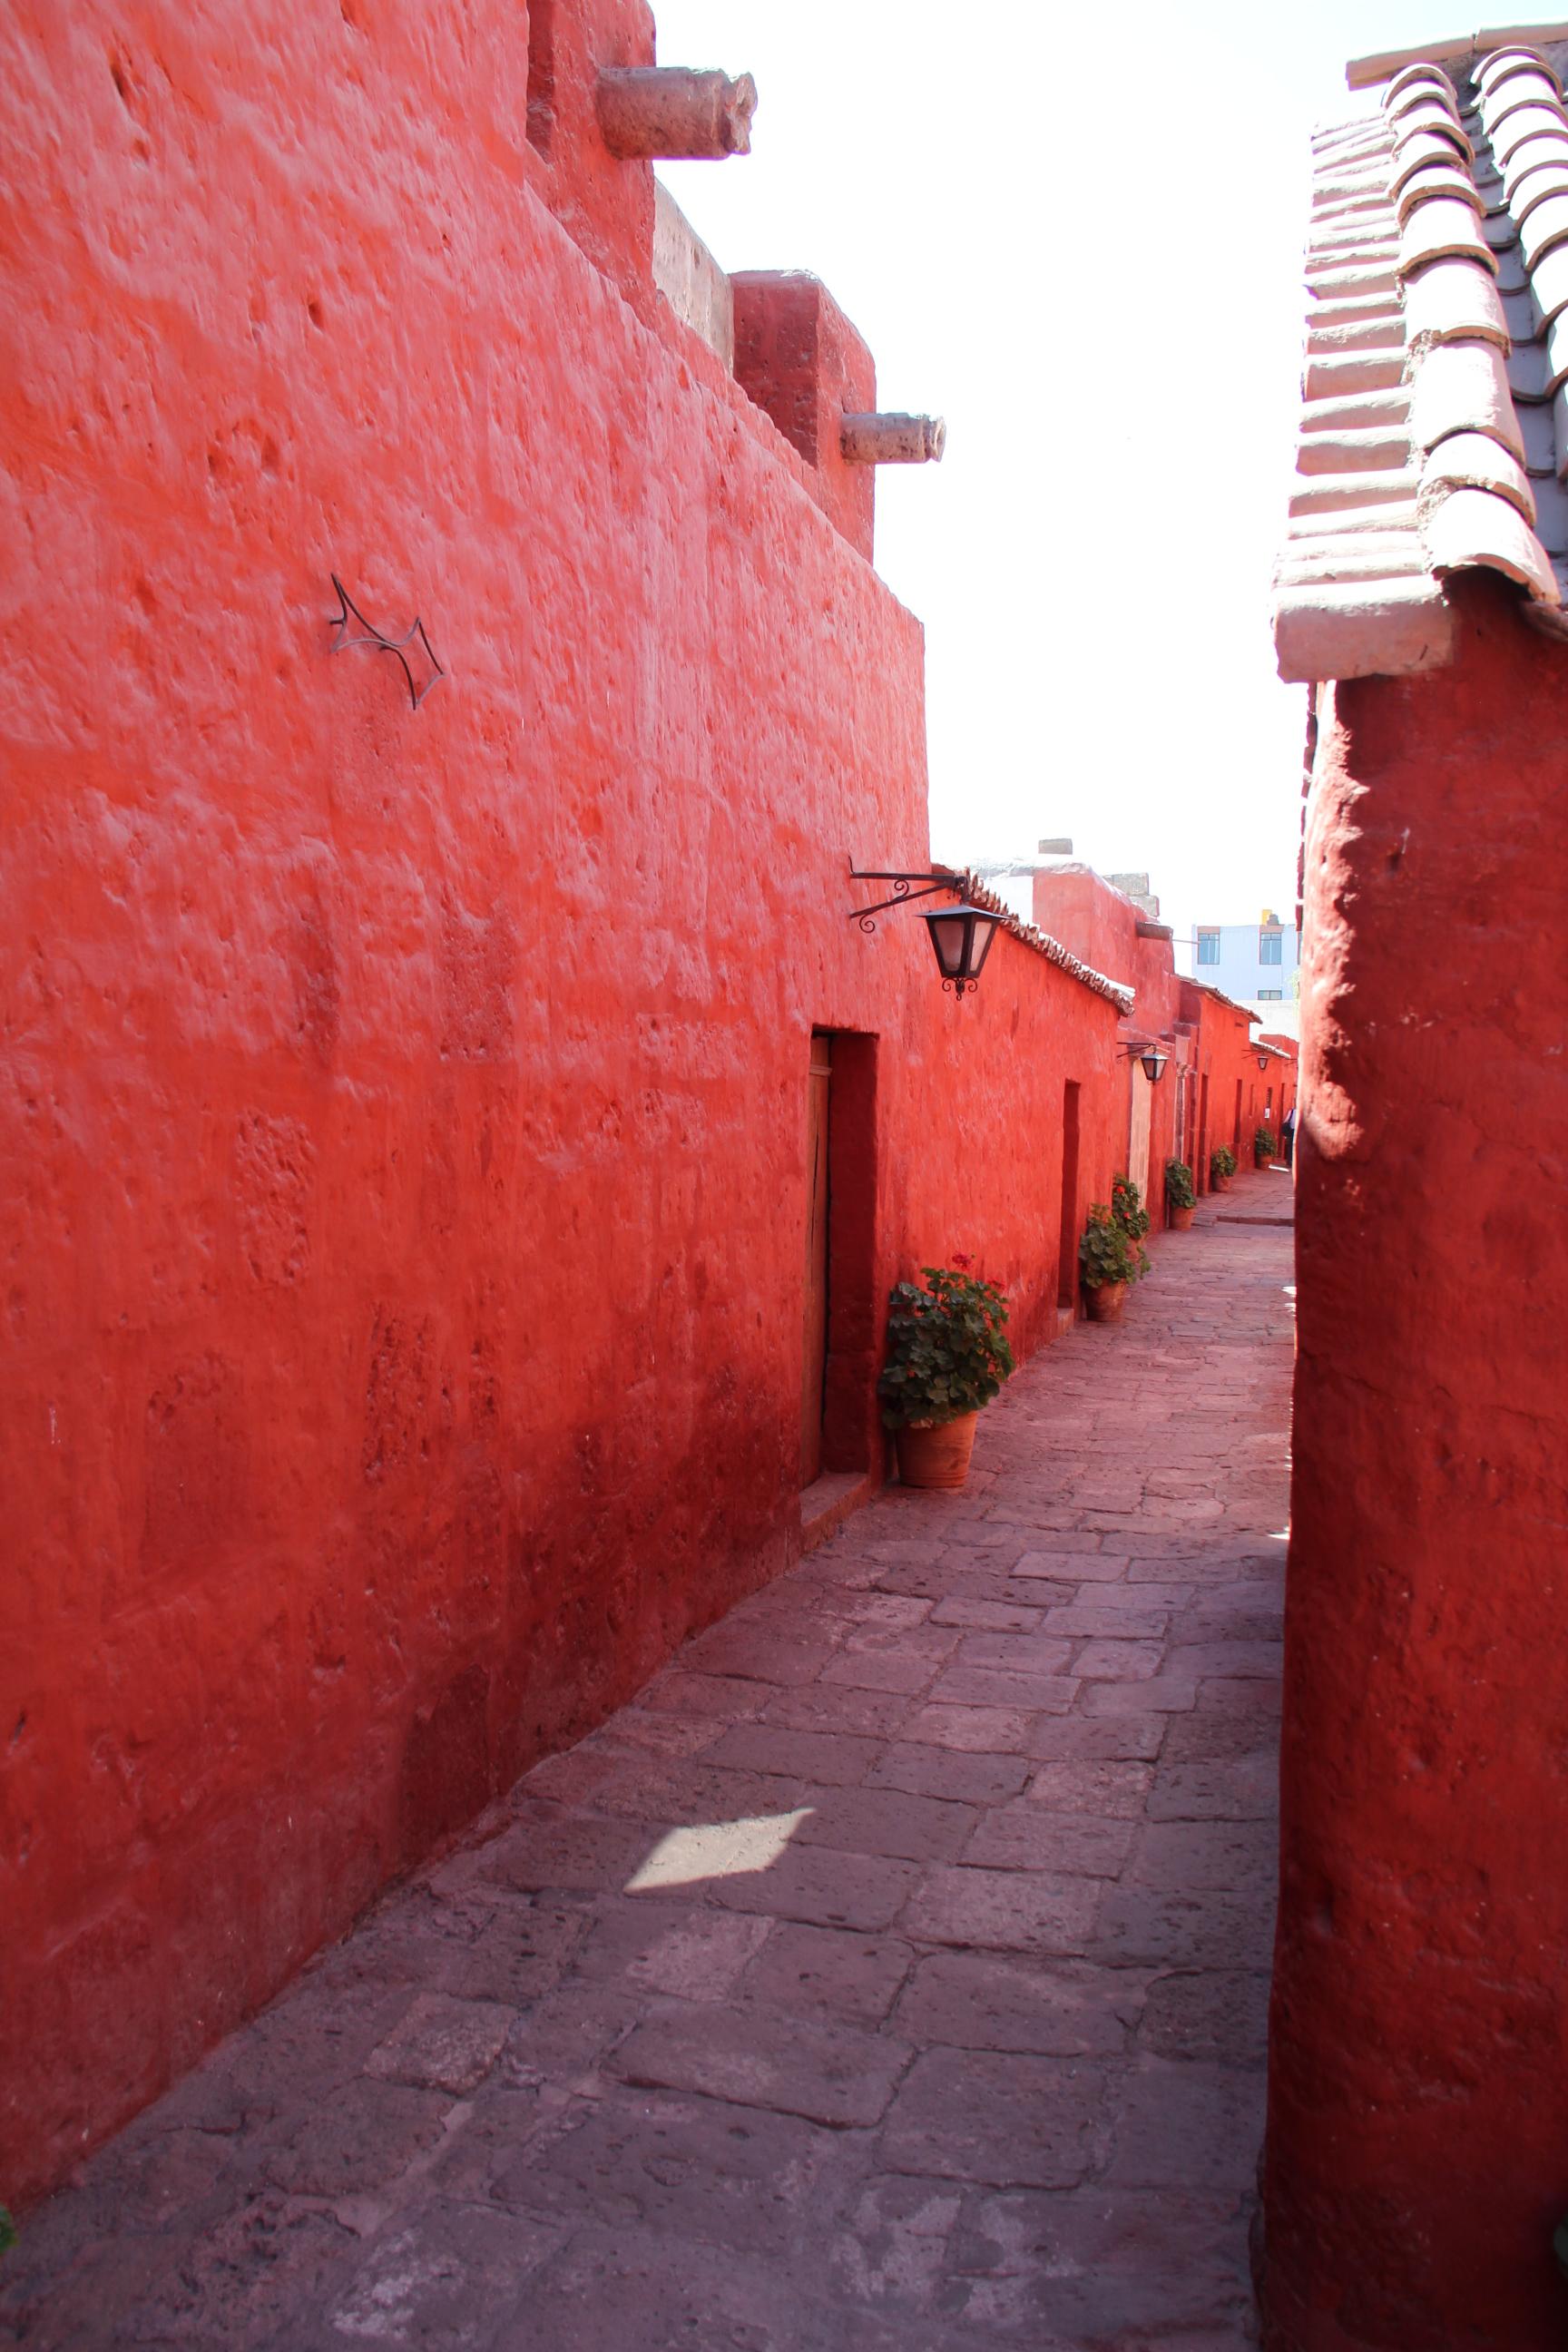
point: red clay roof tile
(1452, 300)
(1475, 461)
(1410, 383)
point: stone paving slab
(891, 1974)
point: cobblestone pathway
(891, 1976)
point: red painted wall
(1417, 2156)
(1209, 1039)
(1088, 915)
(405, 1111)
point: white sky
(1078, 240)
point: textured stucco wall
(1417, 2153)
(403, 1112)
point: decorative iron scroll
(375, 641)
(902, 893)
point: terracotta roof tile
(1434, 422)
(1504, 62)
(1440, 225)
(1547, 178)
(1521, 130)
(1463, 388)
(1544, 226)
(1472, 527)
(1428, 117)
(1440, 179)
(1416, 83)
(1556, 353)
(1530, 86)
(1537, 155)
(1417, 153)
(1549, 282)
(1453, 301)
(1475, 461)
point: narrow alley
(892, 1975)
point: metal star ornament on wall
(348, 615)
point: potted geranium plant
(1181, 1198)
(1264, 1144)
(1109, 1261)
(947, 1356)
(1222, 1166)
(1127, 1208)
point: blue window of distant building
(1208, 946)
(1270, 947)
(1270, 996)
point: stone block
(828, 2074)
(1117, 1790)
(1003, 1910)
(366, 2134)
(973, 1730)
(969, 1778)
(826, 1889)
(970, 2115)
(827, 1972)
(983, 1686)
(842, 1760)
(442, 2044)
(888, 1821)
(1027, 1836)
(722, 2172)
(980, 2000)
(1186, 2126)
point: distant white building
(1256, 964)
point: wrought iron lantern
(1263, 1061)
(961, 940)
(961, 936)
(1153, 1063)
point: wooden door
(813, 1362)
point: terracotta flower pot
(1106, 1303)
(1219, 1184)
(1181, 1219)
(936, 1456)
(1262, 1158)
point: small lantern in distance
(1263, 1061)
(1153, 1063)
(961, 940)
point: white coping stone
(1355, 629)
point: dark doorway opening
(838, 1416)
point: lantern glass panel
(985, 930)
(950, 937)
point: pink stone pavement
(891, 1976)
